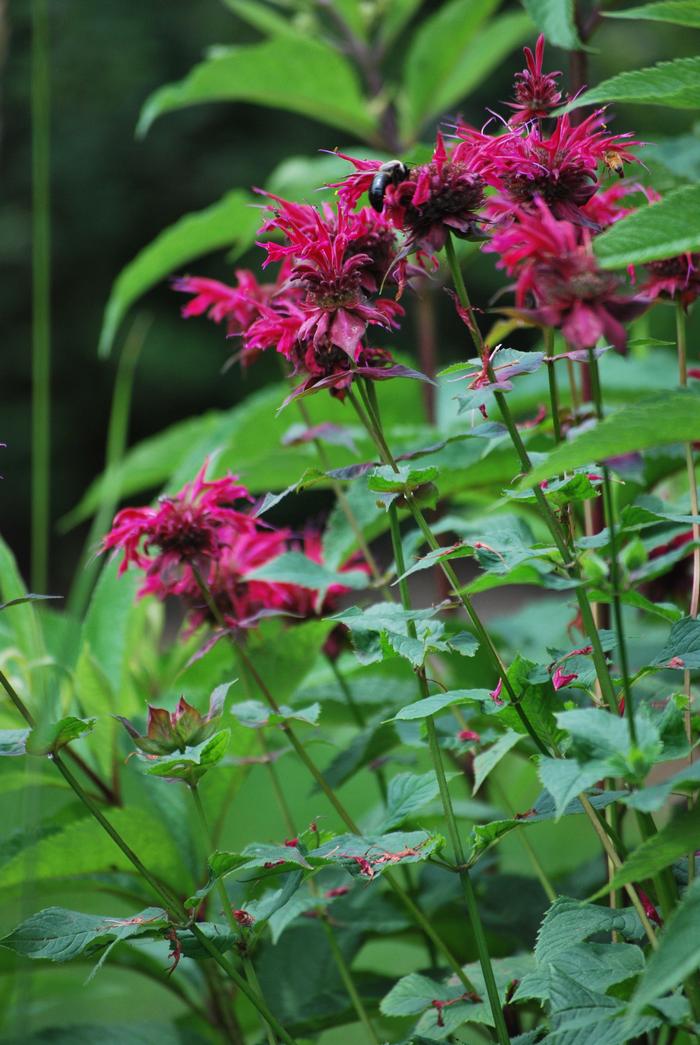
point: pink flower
(334, 280)
(560, 679)
(192, 525)
(467, 735)
(238, 306)
(559, 169)
(495, 694)
(559, 283)
(535, 92)
(435, 198)
(677, 278)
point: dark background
(112, 194)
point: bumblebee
(613, 161)
(391, 173)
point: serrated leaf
(678, 955)
(433, 705)
(555, 18)
(49, 737)
(487, 760)
(367, 745)
(649, 799)
(658, 230)
(254, 713)
(677, 12)
(230, 220)
(674, 84)
(386, 480)
(407, 793)
(668, 417)
(308, 78)
(598, 965)
(569, 921)
(192, 763)
(60, 935)
(676, 838)
(682, 649)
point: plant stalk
(41, 294)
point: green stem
(609, 506)
(542, 502)
(552, 378)
(448, 809)
(41, 294)
(345, 506)
(681, 337)
(348, 981)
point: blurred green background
(112, 194)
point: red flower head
(191, 526)
(535, 92)
(560, 169)
(238, 306)
(677, 278)
(434, 198)
(334, 281)
(558, 273)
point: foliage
(312, 819)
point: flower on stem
(436, 198)
(191, 526)
(535, 92)
(559, 283)
(169, 731)
(677, 278)
(238, 306)
(560, 169)
(466, 735)
(561, 678)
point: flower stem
(614, 561)
(552, 378)
(452, 828)
(41, 293)
(482, 634)
(346, 977)
(345, 507)
(681, 337)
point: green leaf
(395, 16)
(49, 737)
(570, 921)
(254, 713)
(487, 760)
(679, 154)
(21, 617)
(297, 568)
(386, 480)
(83, 847)
(407, 793)
(308, 78)
(13, 743)
(582, 1015)
(598, 965)
(682, 648)
(565, 778)
(230, 220)
(555, 18)
(438, 702)
(658, 230)
(367, 745)
(649, 799)
(678, 955)
(435, 51)
(484, 52)
(677, 12)
(106, 626)
(674, 84)
(60, 935)
(678, 837)
(668, 417)
(264, 18)
(191, 764)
